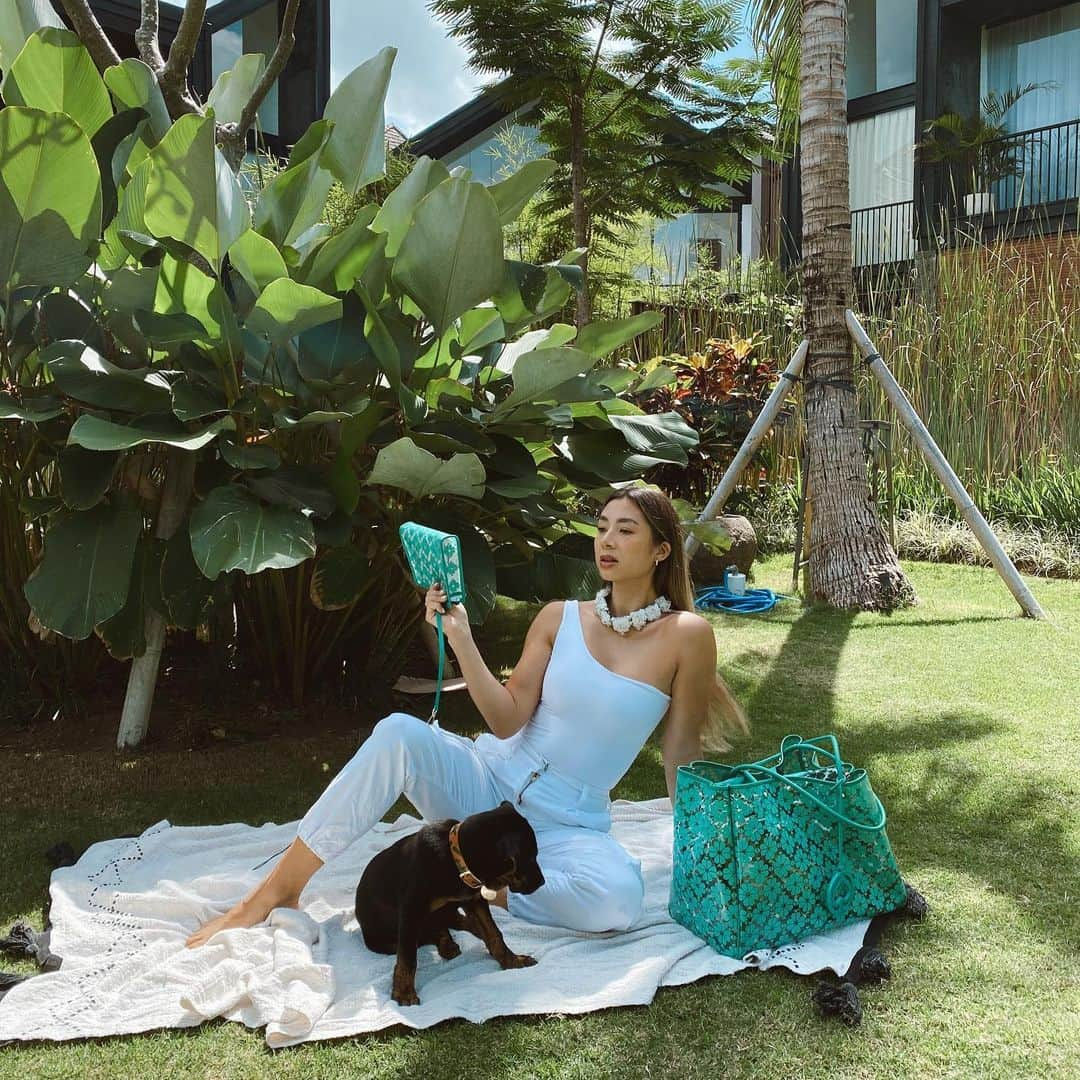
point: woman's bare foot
(280, 888)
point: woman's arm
(505, 707)
(690, 692)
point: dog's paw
(841, 1001)
(406, 995)
(449, 949)
(513, 960)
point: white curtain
(1039, 49)
(881, 156)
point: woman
(565, 727)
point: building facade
(910, 61)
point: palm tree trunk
(851, 565)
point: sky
(431, 76)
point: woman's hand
(455, 621)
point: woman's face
(624, 546)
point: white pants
(591, 882)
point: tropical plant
(626, 101)
(200, 393)
(719, 393)
(978, 145)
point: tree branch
(278, 60)
(146, 37)
(618, 104)
(172, 78)
(90, 33)
(599, 43)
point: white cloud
(431, 76)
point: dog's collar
(466, 875)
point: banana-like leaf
(452, 255)
(135, 86)
(185, 591)
(87, 376)
(124, 634)
(18, 20)
(257, 260)
(302, 487)
(295, 199)
(339, 578)
(233, 88)
(396, 213)
(112, 146)
(664, 435)
(249, 455)
(85, 476)
(94, 433)
(36, 410)
(232, 530)
(405, 465)
(515, 191)
(84, 576)
(551, 338)
(285, 308)
(356, 152)
(56, 74)
(50, 198)
(343, 258)
(601, 338)
(711, 533)
(192, 195)
(338, 349)
(538, 372)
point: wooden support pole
(750, 444)
(938, 462)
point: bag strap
(442, 660)
(752, 769)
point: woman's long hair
(724, 715)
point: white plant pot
(980, 202)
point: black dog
(419, 889)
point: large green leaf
(97, 434)
(339, 578)
(192, 195)
(85, 476)
(538, 372)
(338, 349)
(286, 308)
(183, 289)
(343, 258)
(515, 191)
(396, 214)
(600, 338)
(185, 591)
(18, 20)
(134, 86)
(124, 634)
(232, 530)
(405, 465)
(356, 152)
(257, 260)
(84, 575)
(232, 91)
(50, 198)
(550, 338)
(452, 255)
(87, 376)
(296, 198)
(34, 409)
(663, 435)
(302, 487)
(55, 73)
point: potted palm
(978, 146)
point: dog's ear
(507, 804)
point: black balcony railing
(882, 234)
(1043, 164)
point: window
(881, 45)
(881, 175)
(254, 33)
(1040, 49)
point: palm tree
(851, 564)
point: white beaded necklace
(623, 624)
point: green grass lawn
(964, 713)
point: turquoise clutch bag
(434, 556)
(777, 850)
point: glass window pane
(881, 45)
(255, 33)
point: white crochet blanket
(121, 914)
